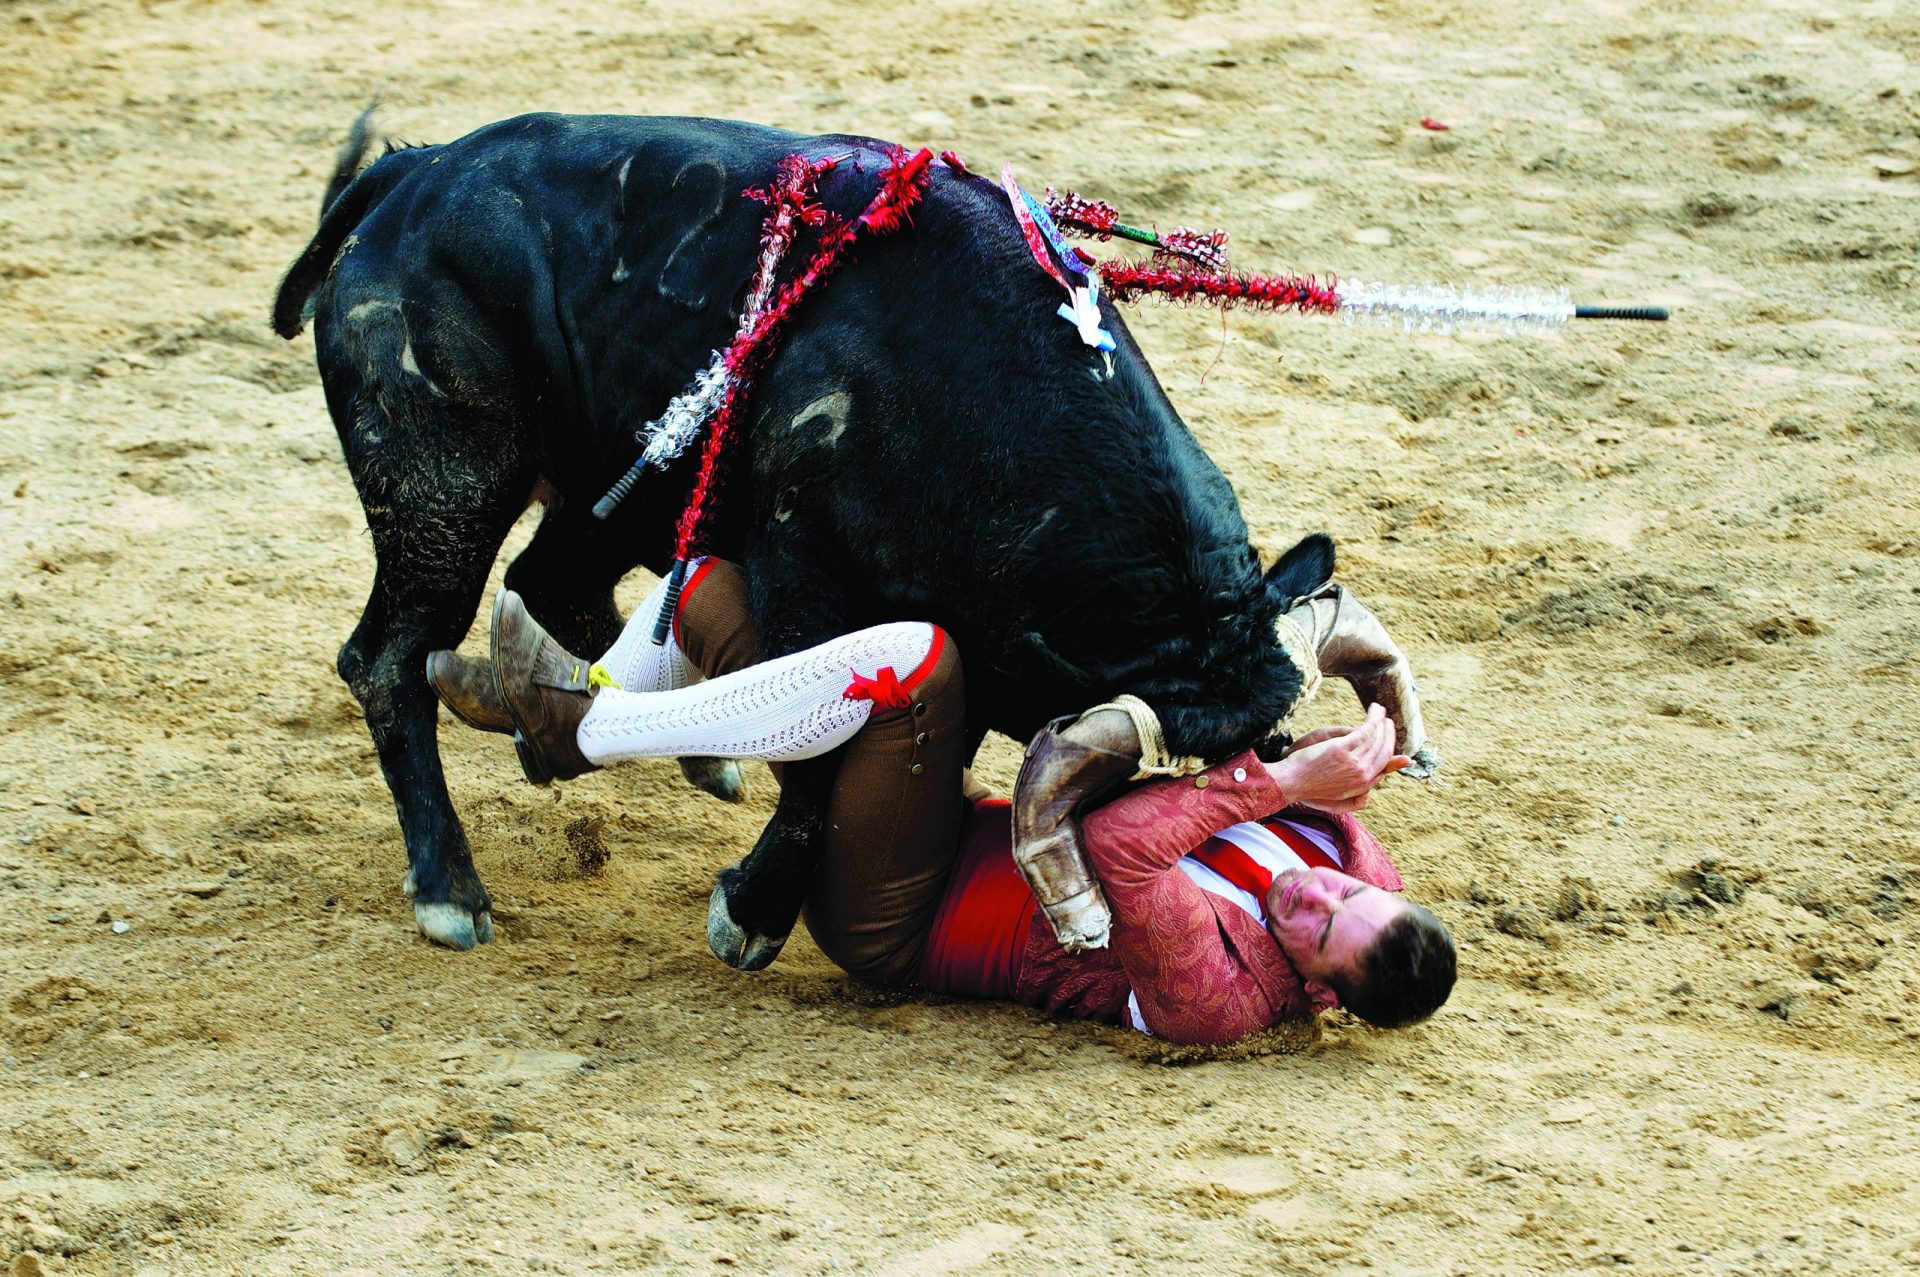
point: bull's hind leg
(441, 486)
(383, 665)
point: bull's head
(1073, 762)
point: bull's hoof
(1425, 763)
(732, 943)
(449, 924)
(718, 776)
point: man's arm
(1191, 984)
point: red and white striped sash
(1240, 862)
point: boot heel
(531, 762)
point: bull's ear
(1302, 570)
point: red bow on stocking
(883, 689)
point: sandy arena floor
(1662, 585)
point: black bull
(930, 442)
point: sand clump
(1661, 585)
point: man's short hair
(1405, 976)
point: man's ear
(1321, 995)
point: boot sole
(530, 762)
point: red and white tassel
(791, 196)
(901, 187)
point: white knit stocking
(795, 707)
(636, 663)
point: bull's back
(562, 227)
(591, 263)
(971, 462)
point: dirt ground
(1662, 585)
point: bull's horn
(1352, 644)
(1302, 644)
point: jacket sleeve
(1193, 986)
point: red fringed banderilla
(901, 187)
(1126, 281)
(1187, 265)
(1191, 266)
(1205, 249)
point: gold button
(922, 738)
(917, 768)
(1201, 782)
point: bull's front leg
(797, 605)
(756, 901)
(1352, 644)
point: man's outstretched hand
(1334, 769)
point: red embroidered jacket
(1202, 970)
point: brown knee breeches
(893, 825)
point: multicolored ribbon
(1049, 248)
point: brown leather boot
(1069, 764)
(544, 688)
(466, 688)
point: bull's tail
(352, 153)
(349, 195)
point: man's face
(1325, 921)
